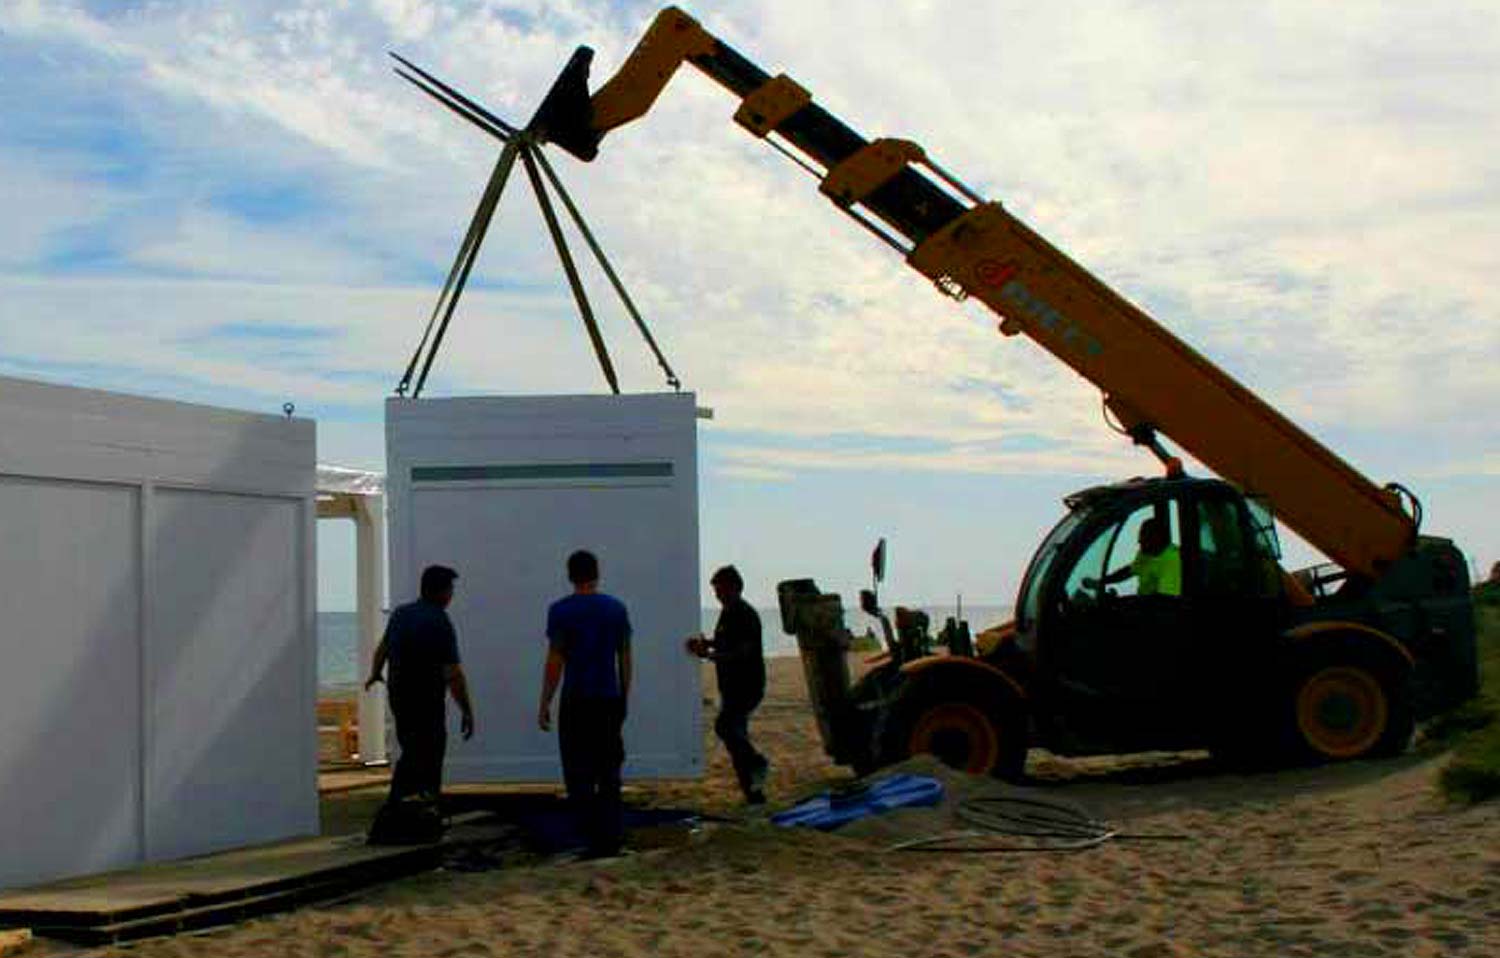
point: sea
(338, 637)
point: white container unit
(157, 604)
(503, 489)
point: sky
(238, 203)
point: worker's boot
(755, 783)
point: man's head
(727, 583)
(583, 569)
(437, 584)
(1153, 537)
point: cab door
(1233, 583)
(1116, 659)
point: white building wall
(70, 715)
(158, 629)
(503, 489)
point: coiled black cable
(1042, 825)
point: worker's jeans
(422, 734)
(733, 728)
(588, 735)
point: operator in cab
(1157, 566)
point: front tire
(1344, 710)
(965, 733)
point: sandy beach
(1355, 860)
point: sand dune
(1358, 860)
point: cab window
(1116, 548)
(1265, 548)
(1036, 576)
(1224, 555)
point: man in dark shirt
(422, 648)
(588, 641)
(740, 664)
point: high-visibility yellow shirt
(1160, 574)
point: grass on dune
(1473, 729)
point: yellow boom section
(1151, 379)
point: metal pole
(369, 561)
(456, 107)
(558, 240)
(609, 271)
(508, 128)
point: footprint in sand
(1353, 876)
(1376, 913)
(1456, 940)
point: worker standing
(739, 663)
(422, 648)
(588, 640)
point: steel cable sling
(518, 144)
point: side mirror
(877, 561)
(868, 603)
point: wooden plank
(156, 889)
(220, 889)
(334, 782)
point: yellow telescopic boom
(1152, 381)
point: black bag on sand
(410, 821)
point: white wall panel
(231, 728)
(70, 686)
(157, 625)
(503, 489)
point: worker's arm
(625, 669)
(458, 686)
(1119, 575)
(551, 676)
(377, 665)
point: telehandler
(1228, 651)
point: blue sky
(238, 203)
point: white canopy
(350, 482)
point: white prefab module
(158, 596)
(503, 489)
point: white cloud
(407, 19)
(1303, 190)
(754, 473)
(956, 458)
(41, 205)
(205, 243)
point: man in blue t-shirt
(588, 642)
